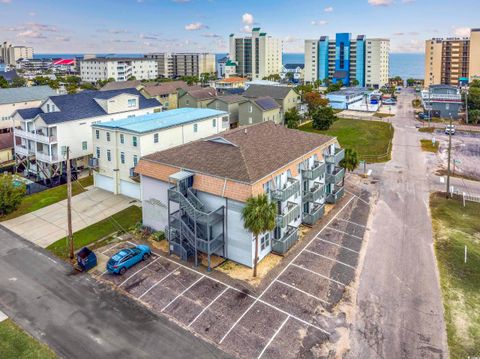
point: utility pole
(449, 154)
(69, 204)
(466, 106)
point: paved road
(399, 308)
(79, 318)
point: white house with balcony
(119, 69)
(62, 122)
(119, 145)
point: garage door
(130, 189)
(103, 182)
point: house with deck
(196, 192)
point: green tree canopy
(3, 83)
(18, 82)
(11, 193)
(350, 161)
(292, 118)
(323, 117)
(259, 217)
(314, 100)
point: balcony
(336, 157)
(283, 244)
(314, 215)
(315, 172)
(315, 193)
(335, 176)
(134, 175)
(24, 151)
(292, 186)
(35, 136)
(335, 195)
(45, 157)
(291, 212)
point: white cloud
(380, 2)
(194, 26)
(328, 9)
(32, 13)
(461, 31)
(319, 22)
(247, 19)
(31, 34)
(211, 35)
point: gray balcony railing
(291, 212)
(38, 136)
(134, 175)
(336, 157)
(315, 172)
(292, 187)
(335, 195)
(283, 244)
(315, 193)
(48, 158)
(24, 151)
(335, 176)
(314, 215)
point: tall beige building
(451, 59)
(9, 54)
(256, 56)
(377, 62)
(174, 65)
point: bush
(158, 236)
(323, 117)
(11, 193)
(416, 103)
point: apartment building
(452, 61)
(174, 65)
(442, 101)
(256, 56)
(9, 53)
(344, 59)
(13, 99)
(196, 192)
(119, 69)
(64, 121)
(118, 145)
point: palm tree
(349, 162)
(258, 217)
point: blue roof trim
(160, 120)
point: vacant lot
(455, 227)
(119, 221)
(371, 139)
(428, 146)
(16, 344)
(50, 196)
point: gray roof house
(285, 96)
(257, 110)
(230, 104)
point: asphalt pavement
(399, 308)
(80, 318)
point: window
(135, 160)
(250, 109)
(122, 157)
(48, 107)
(109, 156)
(122, 138)
(155, 138)
(195, 127)
(250, 120)
(265, 241)
(97, 134)
(84, 145)
(98, 152)
(214, 123)
(108, 136)
(132, 102)
(134, 141)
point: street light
(449, 155)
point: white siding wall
(155, 203)
(7, 111)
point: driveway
(49, 224)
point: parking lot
(290, 317)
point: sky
(140, 26)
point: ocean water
(403, 65)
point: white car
(450, 129)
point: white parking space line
(273, 337)
(348, 234)
(282, 271)
(114, 246)
(320, 275)
(338, 245)
(183, 292)
(334, 260)
(344, 220)
(208, 306)
(302, 291)
(361, 199)
(158, 282)
(138, 271)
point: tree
(314, 100)
(354, 82)
(259, 217)
(11, 194)
(326, 81)
(474, 98)
(292, 118)
(87, 86)
(475, 83)
(290, 76)
(334, 87)
(349, 162)
(3, 83)
(303, 89)
(323, 117)
(474, 116)
(131, 78)
(18, 82)
(71, 88)
(410, 82)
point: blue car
(128, 257)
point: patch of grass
(444, 172)
(17, 344)
(93, 233)
(50, 196)
(454, 228)
(428, 146)
(427, 129)
(383, 115)
(370, 139)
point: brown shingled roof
(164, 88)
(121, 85)
(246, 154)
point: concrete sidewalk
(49, 224)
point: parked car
(127, 258)
(423, 116)
(389, 101)
(450, 129)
